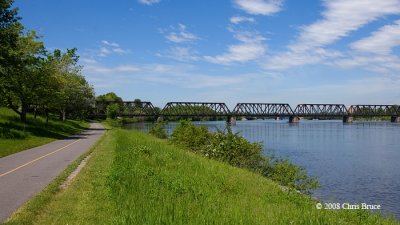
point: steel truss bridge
(258, 110)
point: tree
(31, 76)
(71, 92)
(138, 103)
(20, 59)
(102, 101)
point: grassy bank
(14, 138)
(133, 178)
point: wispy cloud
(183, 54)
(260, 7)
(148, 2)
(179, 75)
(99, 69)
(340, 18)
(241, 19)
(106, 48)
(251, 47)
(375, 52)
(381, 41)
(181, 35)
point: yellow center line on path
(41, 157)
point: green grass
(134, 178)
(37, 132)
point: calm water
(355, 163)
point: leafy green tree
(102, 101)
(112, 111)
(20, 58)
(67, 90)
(138, 103)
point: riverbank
(14, 138)
(134, 178)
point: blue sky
(328, 51)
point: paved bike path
(24, 174)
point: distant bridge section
(195, 109)
(374, 111)
(320, 110)
(137, 109)
(262, 110)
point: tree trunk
(35, 112)
(47, 115)
(62, 114)
(24, 109)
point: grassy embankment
(134, 178)
(13, 137)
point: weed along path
(24, 174)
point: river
(355, 163)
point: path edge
(38, 202)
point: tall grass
(134, 178)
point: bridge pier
(160, 119)
(395, 119)
(347, 119)
(231, 120)
(294, 119)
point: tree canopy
(31, 77)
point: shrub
(293, 176)
(112, 111)
(187, 135)
(234, 149)
(237, 151)
(158, 130)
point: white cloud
(340, 18)
(179, 75)
(381, 41)
(111, 44)
(183, 54)
(241, 19)
(88, 60)
(250, 48)
(260, 7)
(91, 66)
(148, 2)
(108, 47)
(111, 70)
(181, 35)
(375, 51)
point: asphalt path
(24, 174)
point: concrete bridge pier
(347, 119)
(294, 119)
(395, 119)
(160, 119)
(231, 120)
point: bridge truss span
(200, 109)
(374, 110)
(320, 110)
(262, 110)
(137, 109)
